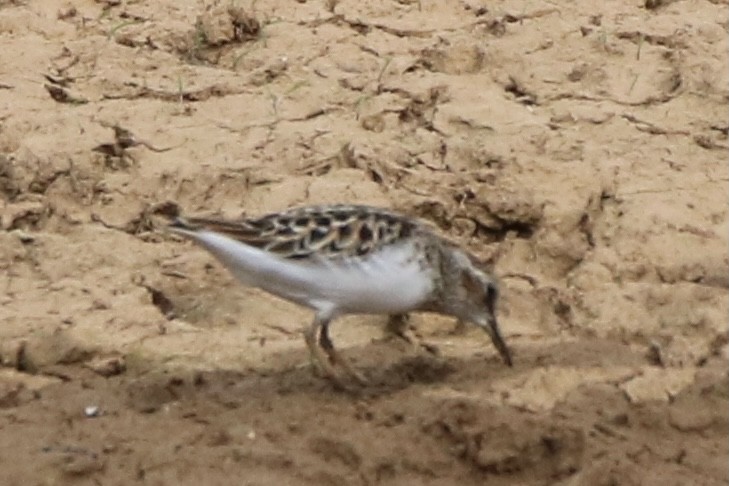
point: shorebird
(349, 259)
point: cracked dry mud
(580, 147)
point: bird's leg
(399, 326)
(335, 358)
(318, 356)
(459, 329)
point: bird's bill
(492, 328)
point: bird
(346, 259)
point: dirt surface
(579, 147)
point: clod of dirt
(373, 123)
(62, 95)
(456, 59)
(66, 13)
(75, 461)
(522, 94)
(136, 218)
(115, 153)
(655, 4)
(247, 27)
(215, 27)
(23, 214)
(223, 25)
(336, 450)
(556, 449)
(107, 365)
(357, 156)
(692, 414)
(656, 384)
(500, 442)
(513, 207)
(421, 369)
(613, 472)
(499, 212)
(169, 209)
(9, 187)
(10, 394)
(147, 395)
(702, 405)
(433, 210)
(49, 349)
(115, 156)
(268, 73)
(421, 109)
(18, 388)
(161, 301)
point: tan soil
(579, 145)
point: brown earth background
(579, 146)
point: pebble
(92, 411)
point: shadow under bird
(346, 259)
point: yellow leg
(323, 354)
(316, 353)
(335, 358)
(399, 326)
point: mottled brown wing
(299, 233)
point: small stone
(107, 365)
(92, 411)
(657, 384)
(23, 236)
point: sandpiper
(350, 259)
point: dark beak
(492, 328)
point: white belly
(387, 282)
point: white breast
(388, 281)
(391, 280)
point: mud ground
(579, 147)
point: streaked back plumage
(330, 231)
